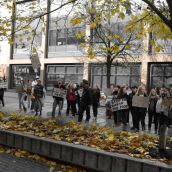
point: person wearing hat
(85, 102)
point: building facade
(61, 57)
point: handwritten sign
(167, 101)
(57, 92)
(116, 104)
(139, 101)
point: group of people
(30, 91)
(158, 112)
(81, 97)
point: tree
(108, 36)
(162, 9)
(28, 12)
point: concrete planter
(80, 155)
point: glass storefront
(66, 73)
(160, 75)
(119, 75)
(24, 72)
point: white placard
(116, 104)
(57, 92)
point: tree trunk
(108, 74)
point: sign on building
(35, 61)
(139, 101)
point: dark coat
(87, 96)
(1, 91)
(96, 96)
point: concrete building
(61, 57)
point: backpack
(71, 97)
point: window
(160, 75)
(119, 75)
(66, 73)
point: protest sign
(140, 101)
(57, 92)
(167, 101)
(118, 104)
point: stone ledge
(80, 155)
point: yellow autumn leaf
(115, 48)
(111, 137)
(76, 21)
(93, 25)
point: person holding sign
(153, 98)
(141, 111)
(122, 94)
(58, 94)
(131, 108)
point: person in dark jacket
(122, 94)
(85, 102)
(153, 98)
(67, 99)
(131, 108)
(115, 113)
(95, 101)
(2, 96)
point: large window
(24, 72)
(66, 73)
(119, 75)
(160, 75)
(27, 32)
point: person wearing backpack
(72, 100)
(153, 98)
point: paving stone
(78, 156)
(104, 163)
(150, 168)
(67, 153)
(118, 165)
(134, 166)
(3, 138)
(56, 151)
(36, 146)
(27, 144)
(91, 160)
(45, 148)
(18, 141)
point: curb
(80, 155)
